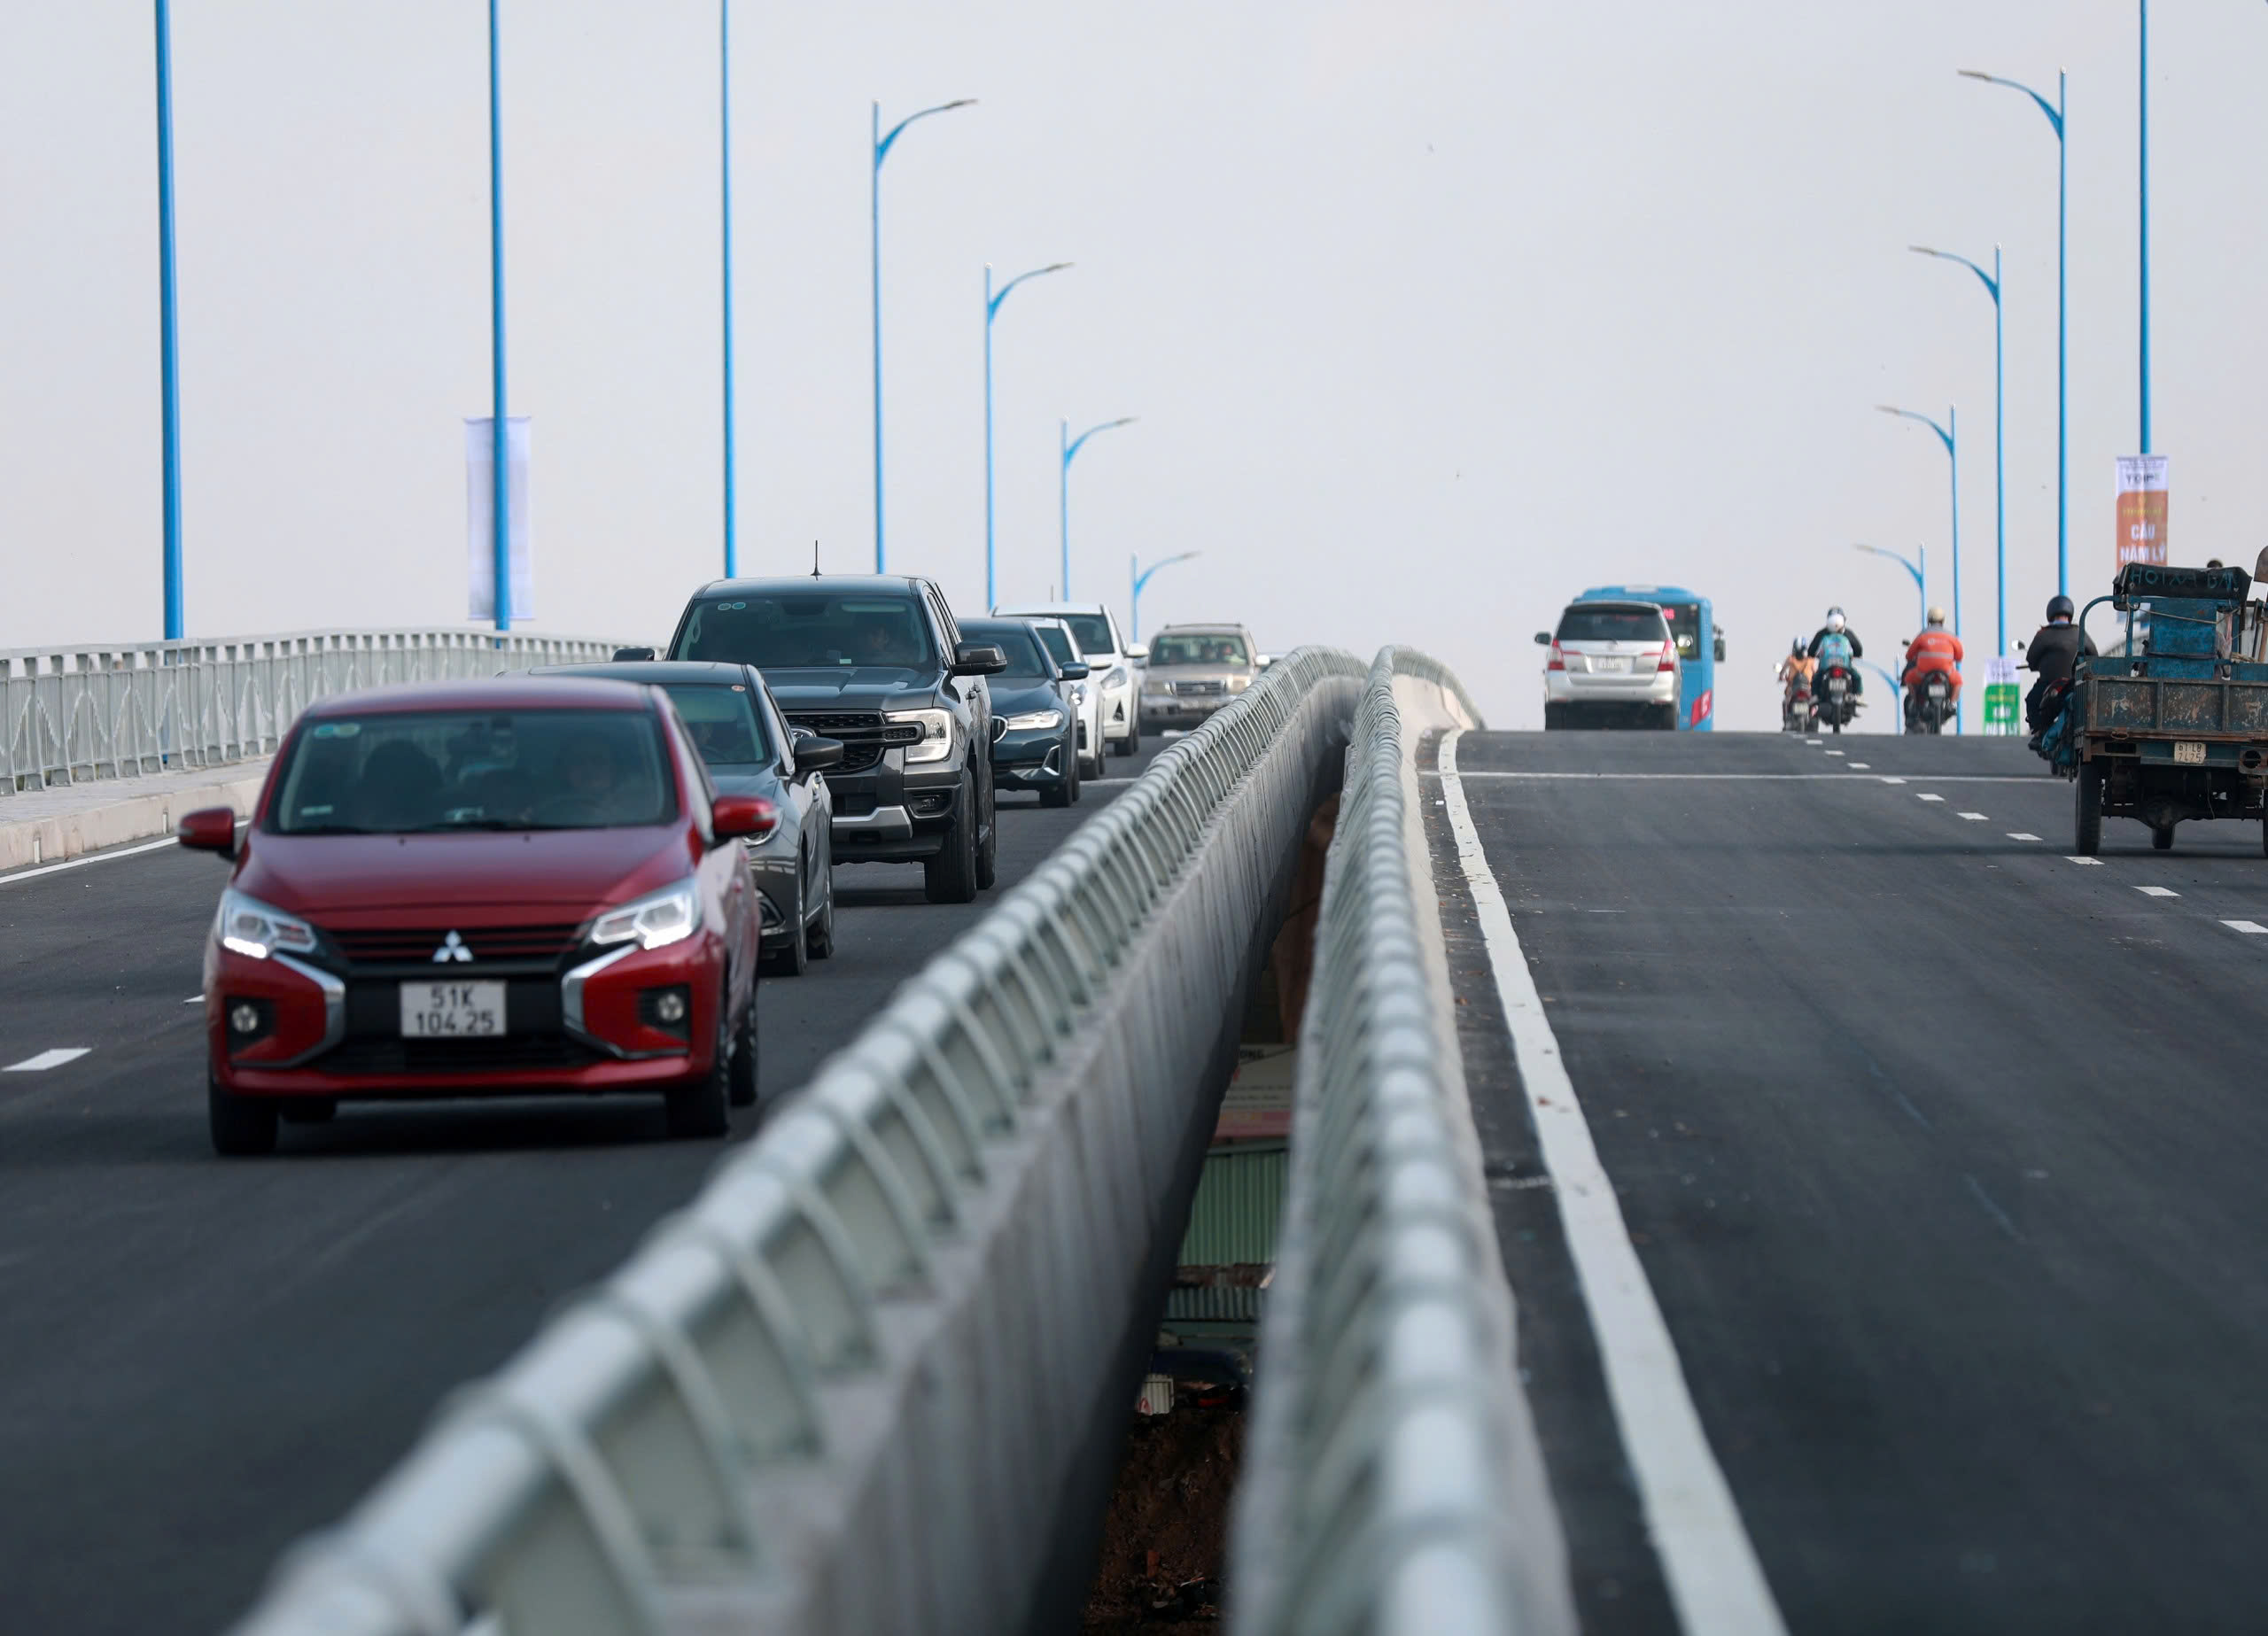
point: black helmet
(2060, 607)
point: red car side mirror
(208, 829)
(738, 817)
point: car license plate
(452, 1010)
(2191, 750)
(1610, 664)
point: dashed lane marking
(1925, 795)
(47, 1060)
(2250, 928)
(1976, 818)
(1891, 781)
(1858, 766)
(1707, 1560)
(2017, 834)
(1834, 752)
(2157, 891)
(2093, 862)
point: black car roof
(852, 585)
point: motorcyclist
(1794, 672)
(1837, 643)
(2053, 653)
(1934, 649)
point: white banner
(480, 524)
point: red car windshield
(402, 772)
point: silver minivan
(1611, 664)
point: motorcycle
(1929, 702)
(1837, 693)
(1798, 710)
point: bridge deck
(1941, 1154)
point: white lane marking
(2157, 891)
(1718, 778)
(2017, 834)
(91, 857)
(1858, 766)
(2250, 928)
(1976, 818)
(1814, 742)
(2095, 862)
(1709, 1565)
(47, 1060)
(1927, 797)
(1834, 752)
(194, 999)
(1086, 782)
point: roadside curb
(31, 841)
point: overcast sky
(1434, 311)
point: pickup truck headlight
(1035, 718)
(247, 927)
(668, 916)
(1238, 683)
(936, 740)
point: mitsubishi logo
(452, 949)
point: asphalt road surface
(200, 1359)
(1942, 1152)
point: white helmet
(1937, 616)
(1834, 619)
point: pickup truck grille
(865, 734)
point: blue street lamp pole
(2146, 222)
(1897, 691)
(881, 147)
(168, 332)
(2054, 112)
(1920, 571)
(1141, 576)
(725, 174)
(1948, 434)
(1067, 446)
(1991, 283)
(992, 310)
(500, 482)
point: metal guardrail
(854, 1385)
(1392, 1482)
(70, 715)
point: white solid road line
(2250, 928)
(91, 857)
(1711, 1567)
(2157, 891)
(47, 1060)
(1728, 778)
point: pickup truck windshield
(402, 772)
(808, 630)
(1198, 647)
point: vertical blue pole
(1063, 501)
(724, 175)
(1134, 596)
(1953, 450)
(168, 330)
(991, 594)
(2062, 336)
(2001, 450)
(501, 483)
(2145, 224)
(875, 221)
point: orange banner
(2141, 509)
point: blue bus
(1700, 644)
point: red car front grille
(392, 945)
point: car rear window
(808, 630)
(1613, 624)
(723, 722)
(407, 771)
(1057, 643)
(1016, 644)
(1092, 630)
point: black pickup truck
(877, 662)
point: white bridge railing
(70, 715)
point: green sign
(2000, 707)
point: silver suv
(1194, 670)
(1610, 662)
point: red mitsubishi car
(495, 888)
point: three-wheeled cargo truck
(2172, 724)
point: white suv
(1611, 660)
(1110, 661)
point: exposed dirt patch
(1165, 1540)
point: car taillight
(1669, 658)
(1558, 660)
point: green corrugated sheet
(1239, 1200)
